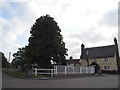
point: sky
(92, 22)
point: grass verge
(17, 74)
(20, 74)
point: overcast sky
(92, 22)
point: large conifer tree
(46, 43)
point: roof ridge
(100, 46)
(99, 52)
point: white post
(90, 69)
(65, 70)
(35, 71)
(56, 69)
(51, 72)
(73, 70)
(80, 70)
(86, 69)
(93, 69)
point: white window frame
(106, 67)
(106, 59)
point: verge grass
(20, 74)
(17, 74)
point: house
(103, 57)
(73, 62)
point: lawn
(20, 74)
(17, 74)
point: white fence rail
(65, 70)
(73, 70)
(48, 71)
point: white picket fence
(65, 70)
(73, 70)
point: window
(106, 59)
(106, 67)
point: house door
(96, 66)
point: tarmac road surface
(105, 81)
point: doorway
(96, 66)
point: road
(105, 81)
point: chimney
(116, 47)
(82, 48)
(117, 55)
(115, 40)
(71, 57)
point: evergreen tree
(5, 63)
(19, 58)
(46, 43)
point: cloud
(99, 34)
(90, 36)
(76, 52)
(108, 24)
(14, 0)
(73, 46)
(11, 30)
(79, 21)
(110, 18)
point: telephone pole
(9, 60)
(9, 56)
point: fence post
(90, 69)
(65, 70)
(80, 70)
(86, 69)
(51, 72)
(73, 70)
(35, 71)
(54, 70)
(93, 69)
